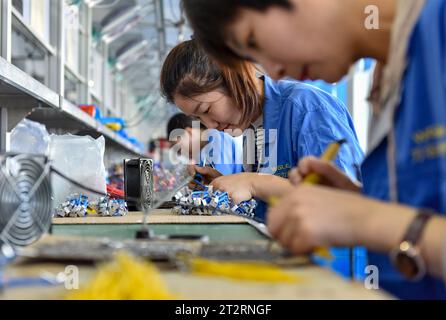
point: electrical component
(210, 202)
(138, 183)
(25, 199)
(81, 206)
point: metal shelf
(69, 118)
(84, 118)
(24, 96)
(16, 86)
(27, 30)
(75, 74)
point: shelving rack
(74, 65)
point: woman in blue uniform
(281, 122)
(288, 120)
(406, 162)
(215, 149)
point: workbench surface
(319, 283)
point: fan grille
(146, 184)
(25, 200)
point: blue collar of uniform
(272, 107)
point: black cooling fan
(25, 199)
(138, 183)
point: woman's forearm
(383, 225)
(268, 185)
(383, 228)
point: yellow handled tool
(329, 155)
(313, 178)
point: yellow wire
(244, 271)
(126, 278)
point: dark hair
(189, 71)
(180, 121)
(209, 19)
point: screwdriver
(330, 154)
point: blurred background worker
(212, 148)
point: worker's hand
(310, 217)
(208, 173)
(331, 176)
(240, 187)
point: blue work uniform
(419, 147)
(299, 121)
(223, 153)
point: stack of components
(210, 202)
(80, 206)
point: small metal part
(80, 206)
(144, 234)
(210, 202)
(242, 251)
(93, 249)
(260, 227)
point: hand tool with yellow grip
(313, 178)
